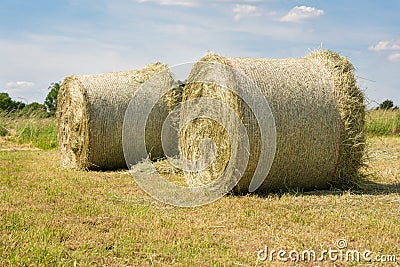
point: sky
(42, 41)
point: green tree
(386, 105)
(5, 101)
(51, 98)
(7, 104)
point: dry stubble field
(56, 217)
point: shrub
(387, 105)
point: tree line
(47, 109)
(387, 105)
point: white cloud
(302, 13)
(242, 11)
(20, 84)
(385, 46)
(395, 57)
(17, 90)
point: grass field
(383, 122)
(33, 131)
(56, 217)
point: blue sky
(43, 41)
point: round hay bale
(319, 114)
(91, 111)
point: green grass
(383, 122)
(35, 131)
(41, 134)
(52, 216)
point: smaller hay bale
(91, 111)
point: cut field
(51, 216)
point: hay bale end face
(319, 115)
(90, 115)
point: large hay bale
(319, 116)
(91, 111)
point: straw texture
(91, 111)
(319, 115)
